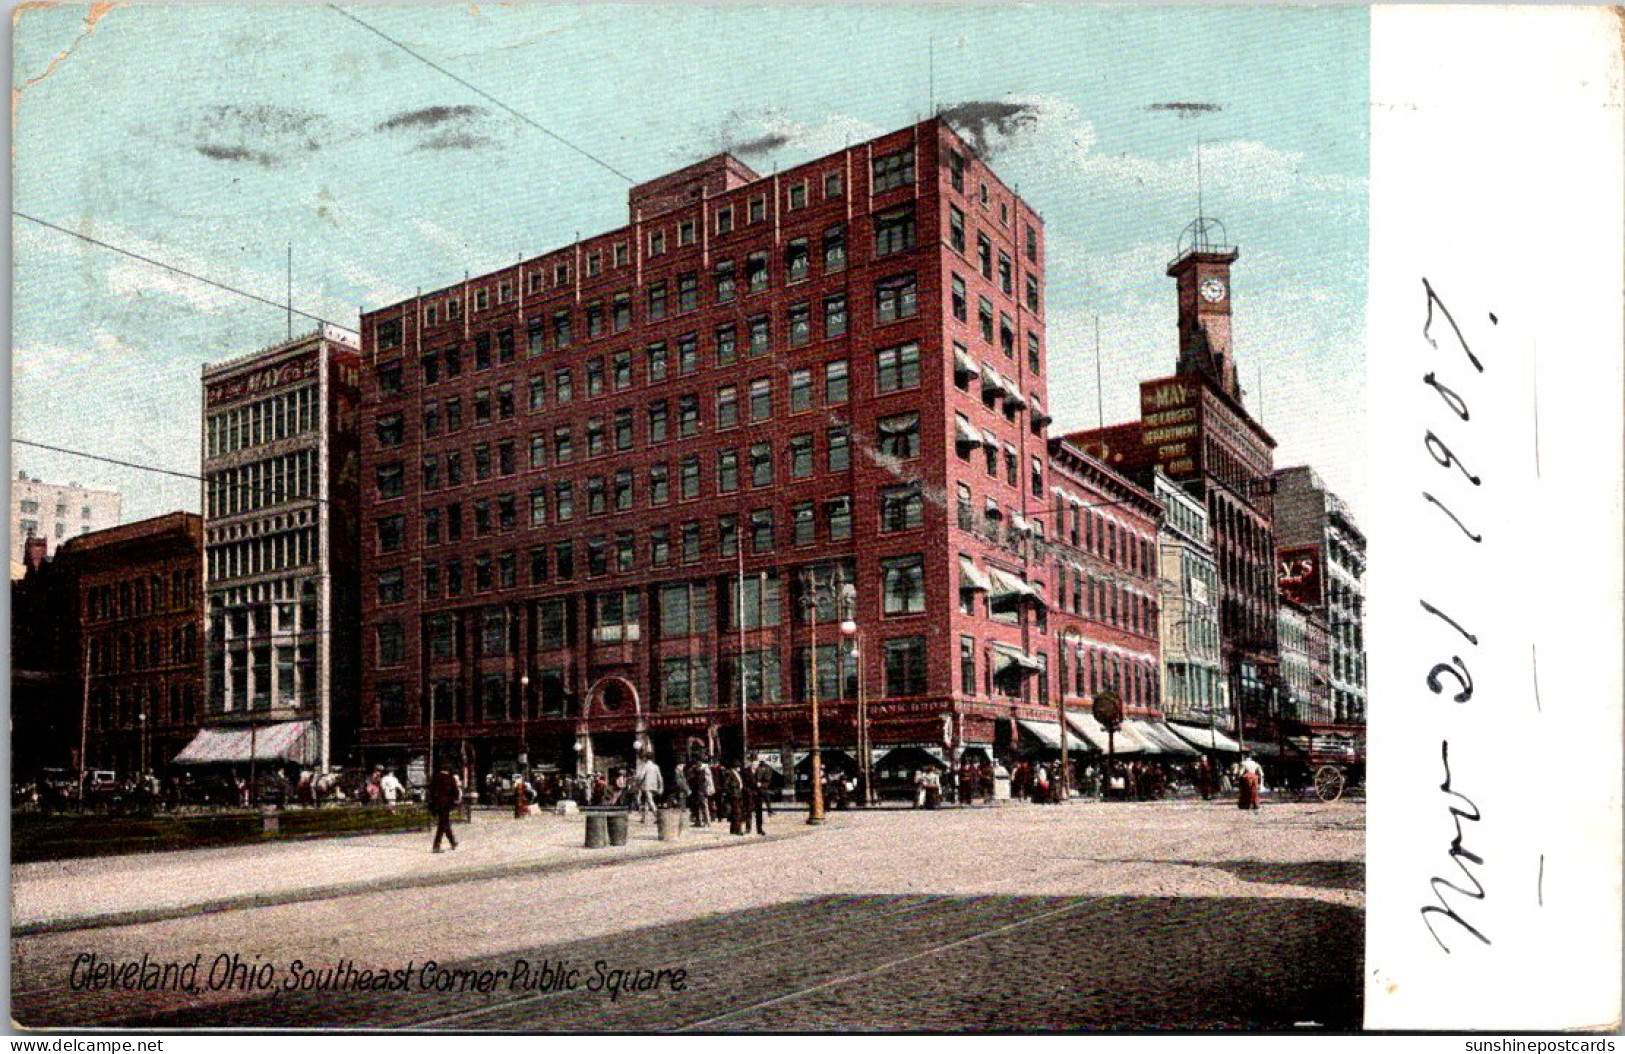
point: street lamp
(143, 725)
(849, 628)
(519, 803)
(840, 593)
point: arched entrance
(612, 731)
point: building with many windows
(1321, 556)
(56, 512)
(1194, 691)
(279, 527)
(625, 494)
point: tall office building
(1321, 553)
(624, 495)
(279, 524)
(56, 512)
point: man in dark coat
(733, 797)
(445, 791)
(758, 787)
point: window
(1037, 477)
(801, 457)
(563, 448)
(894, 298)
(1007, 335)
(894, 231)
(389, 379)
(726, 283)
(595, 377)
(595, 436)
(391, 647)
(482, 518)
(797, 260)
(389, 333)
(901, 508)
(956, 228)
(688, 353)
(685, 610)
(835, 382)
(967, 665)
(1032, 294)
(758, 209)
(899, 436)
(838, 519)
(564, 555)
(505, 460)
(956, 170)
(390, 430)
(623, 255)
(625, 552)
(391, 480)
(727, 406)
(1006, 274)
(688, 291)
(563, 390)
(656, 296)
(832, 185)
(984, 317)
(391, 586)
(798, 195)
(623, 429)
(691, 543)
(657, 422)
(803, 524)
(538, 507)
(535, 333)
(623, 490)
(761, 399)
(1034, 358)
(617, 617)
(725, 219)
(984, 256)
(685, 232)
(840, 457)
(561, 329)
(597, 557)
(893, 170)
(621, 365)
(903, 583)
(657, 242)
(660, 547)
(905, 666)
(761, 464)
(656, 359)
(726, 348)
(835, 247)
(622, 308)
(564, 500)
(727, 470)
(538, 393)
(688, 476)
(727, 536)
(761, 533)
(391, 533)
(835, 315)
(688, 415)
(898, 368)
(756, 272)
(800, 390)
(799, 320)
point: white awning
(1009, 657)
(1012, 394)
(1166, 742)
(1046, 732)
(1036, 409)
(284, 741)
(1006, 584)
(968, 571)
(992, 381)
(963, 363)
(1084, 723)
(1140, 733)
(1020, 523)
(900, 425)
(965, 434)
(1205, 738)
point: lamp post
(520, 805)
(143, 723)
(817, 590)
(849, 628)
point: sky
(213, 138)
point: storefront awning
(963, 363)
(1046, 732)
(965, 434)
(1094, 734)
(1205, 738)
(289, 741)
(971, 574)
(1164, 740)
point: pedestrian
(679, 786)
(733, 796)
(758, 779)
(1252, 775)
(650, 786)
(445, 792)
(1040, 789)
(390, 789)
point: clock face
(1213, 290)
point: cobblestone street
(1162, 915)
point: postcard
(815, 519)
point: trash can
(597, 830)
(617, 827)
(270, 820)
(1001, 788)
(669, 823)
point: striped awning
(285, 741)
(1084, 723)
(1006, 584)
(1162, 736)
(1205, 738)
(969, 572)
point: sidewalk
(60, 895)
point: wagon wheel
(1329, 782)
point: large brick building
(1321, 552)
(140, 615)
(596, 483)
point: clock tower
(1202, 271)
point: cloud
(991, 127)
(429, 117)
(450, 140)
(756, 134)
(260, 134)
